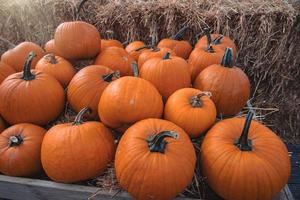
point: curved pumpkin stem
(78, 120)
(82, 2)
(135, 69)
(108, 77)
(218, 39)
(245, 144)
(208, 36)
(15, 140)
(166, 56)
(156, 143)
(27, 75)
(51, 58)
(144, 47)
(227, 60)
(180, 33)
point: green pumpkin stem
(135, 69)
(156, 143)
(180, 33)
(51, 58)
(78, 120)
(227, 60)
(166, 56)
(209, 41)
(108, 77)
(27, 75)
(82, 2)
(243, 143)
(15, 140)
(217, 40)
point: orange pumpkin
(135, 49)
(182, 48)
(128, 100)
(15, 57)
(2, 124)
(110, 43)
(31, 96)
(57, 67)
(152, 53)
(20, 150)
(167, 74)
(77, 151)
(116, 59)
(86, 87)
(244, 160)
(192, 110)
(50, 48)
(229, 85)
(5, 71)
(147, 152)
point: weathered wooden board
(35, 189)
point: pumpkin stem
(156, 143)
(196, 101)
(218, 39)
(51, 58)
(227, 60)
(243, 143)
(82, 2)
(78, 120)
(135, 69)
(208, 36)
(166, 56)
(108, 77)
(15, 140)
(144, 47)
(27, 75)
(180, 33)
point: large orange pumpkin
(15, 57)
(128, 100)
(155, 159)
(229, 85)
(20, 150)
(116, 59)
(167, 74)
(243, 161)
(5, 71)
(57, 67)
(2, 124)
(110, 43)
(31, 96)
(135, 49)
(86, 87)
(77, 151)
(152, 53)
(192, 110)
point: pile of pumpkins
(156, 97)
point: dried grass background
(267, 33)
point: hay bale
(266, 33)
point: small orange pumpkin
(229, 85)
(20, 150)
(135, 49)
(147, 152)
(15, 57)
(57, 67)
(116, 59)
(110, 43)
(152, 53)
(77, 151)
(2, 124)
(243, 159)
(86, 87)
(167, 74)
(5, 71)
(31, 96)
(192, 110)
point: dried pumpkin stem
(227, 60)
(156, 143)
(218, 39)
(78, 120)
(108, 77)
(166, 56)
(15, 140)
(27, 75)
(144, 47)
(135, 69)
(208, 36)
(51, 58)
(82, 2)
(244, 143)
(180, 33)
(196, 101)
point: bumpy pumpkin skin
(77, 40)
(195, 120)
(167, 74)
(72, 153)
(181, 48)
(57, 67)
(16, 57)
(144, 174)
(116, 59)
(86, 88)
(133, 46)
(152, 53)
(23, 159)
(5, 71)
(110, 43)
(128, 100)
(259, 174)
(2, 124)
